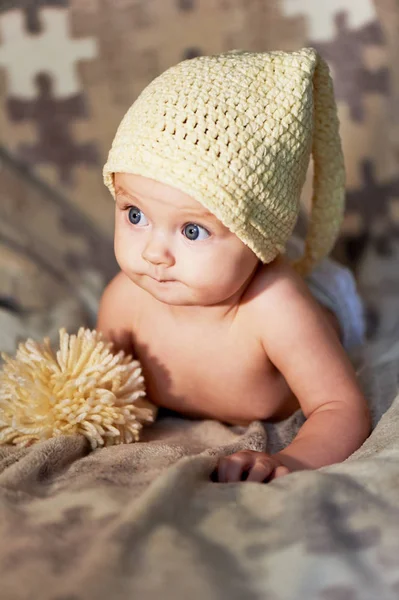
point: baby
(207, 169)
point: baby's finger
(260, 471)
(280, 471)
(232, 467)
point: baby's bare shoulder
(116, 311)
(118, 292)
(275, 282)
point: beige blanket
(145, 521)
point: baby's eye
(136, 217)
(195, 232)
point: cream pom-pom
(83, 388)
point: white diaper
(334, 286)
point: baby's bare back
(216, 370)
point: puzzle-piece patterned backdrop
(70, 68)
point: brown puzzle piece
(53, 117)
(345, 54)
(186, 4)
(376, 217)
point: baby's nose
(157, 252)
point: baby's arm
(114, 318)
(302, 344)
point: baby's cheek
(208, 272)
(225, 273)
(219, 280)
(126, 253)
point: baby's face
(172, 247)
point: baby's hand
(249, 465)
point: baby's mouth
(161, 280)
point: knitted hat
(235, 131)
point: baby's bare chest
(209, 372)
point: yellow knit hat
(235, 131)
